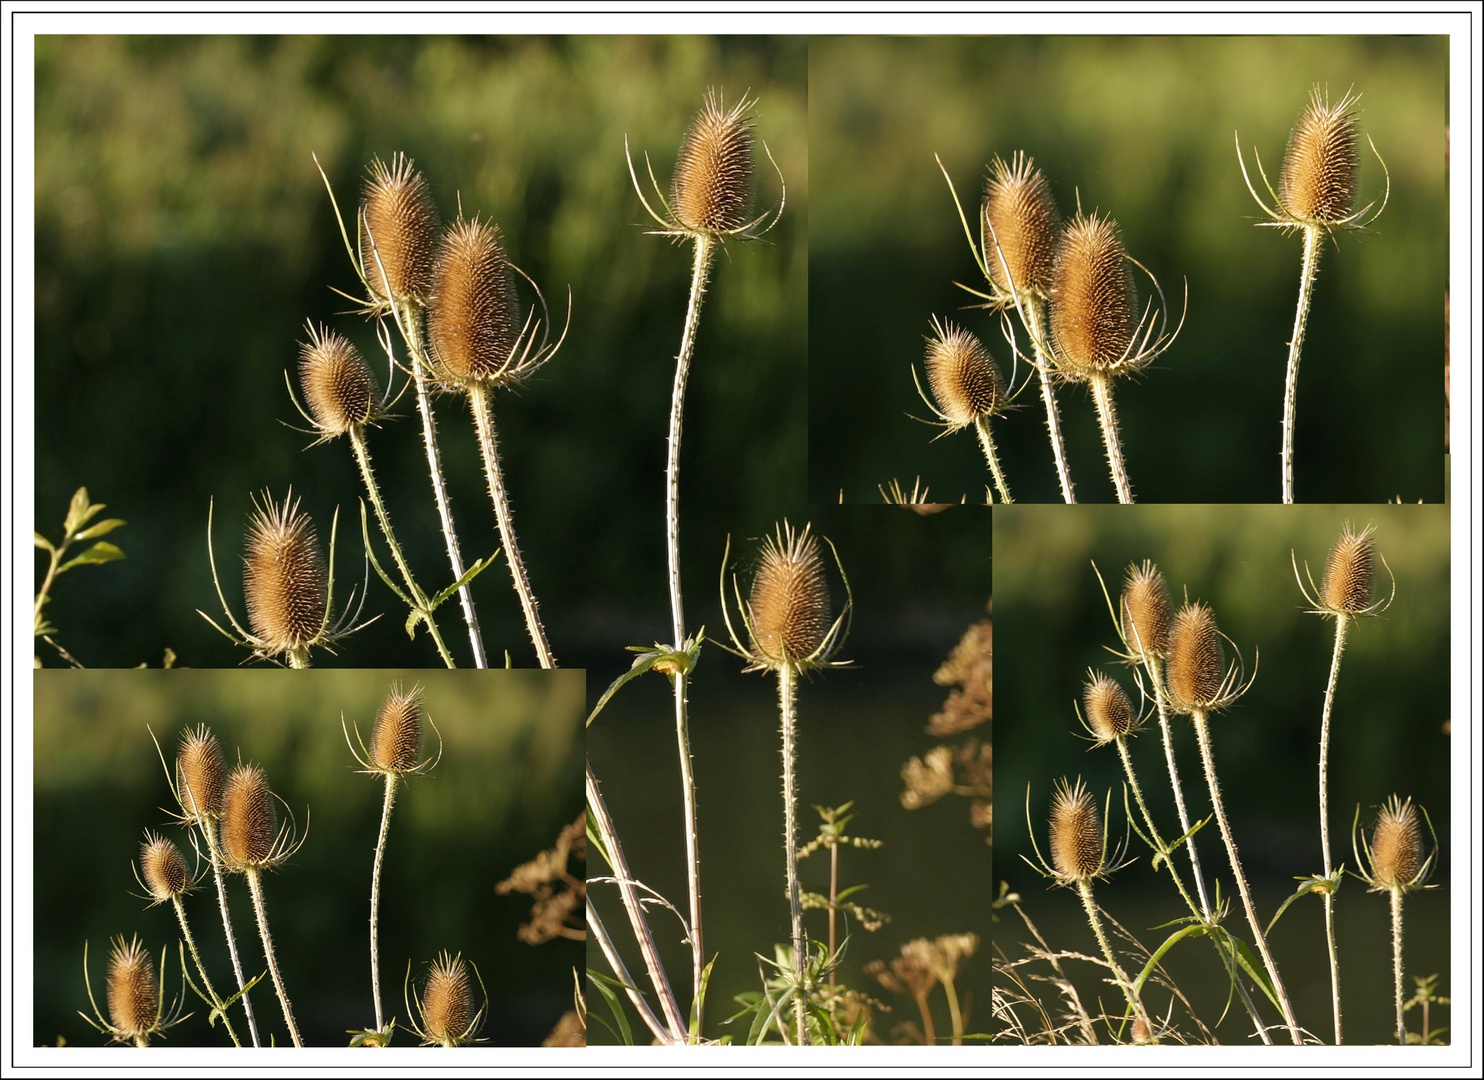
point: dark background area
(1389, 733)
(1142, 128)
(504, 788)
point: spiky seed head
(398, 732)
(249, 819)
(1396, 845)
(1197, 664)
(284, 577)
(1350, 572)
(963, 376)
(475, 316)
(1320, 167)
(790, 601)
(1093, 314)
(1139, 1033)
(401, 221)
(448, 1000)
(133, 991)
(199, 774)
(713, 185)
(163, 868)
(1146, 610)
(1076, 833)
(339, 388)
(1109, 713)
(1020, 213)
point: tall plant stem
(1084, 890)
(411, 332)
(373, 491)
(955, 1015)
(1102, 394)
(1396, 966)
(1203, 736)
(1313, 236)
(619, 864)
(787, 697)
(185, 930)
(834, 901)
(484, 422)
(1342, 624)
(386, 822)
(986, 441)
(1032, 311)
(621, 971)
(298, 659)
(700, 273)
(255, 886)
(221, 898)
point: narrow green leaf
(469, 575)
(43, 543)
(1252, 966)
(698, 1006)
(602, 982)
(596, 841)
(79, 512)
(1307, 885)
(103, 528)
(100, 553)
(1169, 943)
(642, 663)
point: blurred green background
(505, 787)
(184, 237)
(1389, 730)
(1141, 128)
(918, 583)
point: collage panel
(1198, 655)
(432, 816)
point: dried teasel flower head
(1108, 713)
(249, 824)
(399, 225)
(199, 775)
(284, 577)
(789, 606)
(474, 326)
(1146, 611)
(133, 991)
(1395, 849)
(163, 868)
(1094, 314)
(1321, 166)
(714, 177)
(1020, 215)
(447, 1003)
(397, 736)
(1196, 676)
(338, 387)
(1349, 577)
(963, 377)
(1077, 848)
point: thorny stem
(1102, 394)
(834, 893)
(620, 969)
(1084, 890)
(1342, 624)
(386, 821)
(1203, 736)
(221, 896)
(484, 422)
(986, 441)
(298, 658)
(1033, 314)
(373, 491)
(255, 886)
(787, 695)
(1313, 236)
(190, 941)
(1396, 966)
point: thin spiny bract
(1094, 316)
(249, 820)
(397, 735)
(1350, 572)
(399, 224)
(714, 178)
(1076, 834)
(1019, 214)
(1196, 676)
(963, 376)
(789, 606)
(474, 322)
(1146, 611)
(133, 991)
(1321, 165)
(163, 868)
(338, 387)
(284, 578)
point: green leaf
(100, 553)
(1315, 884)
(596, 841)
(605, 987)
(698, 1006)
(1169, 943)
(80, 512)
(1251, 965)
(43, 543)
(412, 621)
(469, 575)
(103, 528)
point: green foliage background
(1141, 128)
(506, 785)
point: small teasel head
(1094, 315)
(339, 389)
(1019, 214)
(1107, 713)
(447, 1004)
(396, 737)
(136, 1001)
(284, 578)
(1322, 164)
(474, 325)
(1078, 848)
(1394, 850)
(251, 839)
(199, 775)
(714, 177)
(963, 377)
(163, 869)
(1146, 611)
(1349, 577)
(1197, 678)
(788, 614)
(399, 226)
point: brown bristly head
(133, 991)
(1146, 610)
(789, 606)
(284, 577)
(1109, 714)
(163, 868)
(1350, 572)
(1396, 846)
(474, 320)
(1076, 833)
(448, 1000)
(398, 732)
(713, 186)
(249, 819)
(1093, 314)
(1321, 165)
(199, 774)
(1196, 674)
(399, 217)
(1020, 213)
(339, 388)
(963, 376)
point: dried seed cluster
(475, 316)
(397, 736)
(1020, 214)
(1093, 317)
(713, 186)
(199, 774)
(339, 388)
(790, 602)
(1396, 845)
(400, 224)
(1350, 572)
(1109, 714)
(1076, 833)
(133, 992)
(284, 578)
(1196, 673)
(963, 377)
(1320, 167)
(249, 819)
(448, 1001)
(1146, 610)
(163, 868)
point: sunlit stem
(255, 886)
(986, 442)
(1313, 235)
(620, 970)
(1032, 310)
(1342, 624)
(1396, 966)
(953, 1011)
(185, 930)
(209, 830)
(298, 658)
(787, 696)
(1084, 890)
(1102, 395)
(386, 821)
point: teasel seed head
(163, 868)
(1139, 1033)
(474, 323)
(1196, 676)
(1020, 213)
(1093, 314)
(249, 819)
(713, 186)
(1146, 610)
(199, 775)
(963, 376)
(399, 216)
(133, 990)
(1076, 833)
(448, 1001)
(789, 606)
(397, 736)
(339, 388)
(1110, 716)
(1350, 573)
(1320, 168)
(1396, 846)
(284, 578)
